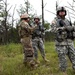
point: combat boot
(33, 65)
(37, 61)
(46, 60)
(64, 73)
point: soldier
(64, 39)
(37, 40)
(25, 32)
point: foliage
(11, 57)
(25, 8)
(13, 35)
(47, 25)
(4, 24)
(49, 36)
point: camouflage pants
(28, 49)
(38, 44)
(62, 52)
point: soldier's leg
(61, 50)
(42, 49)
(35, 47)
(24, 56)
(28, 50)
(34, 44)
(30, 54)
(71, 55)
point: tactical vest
(62, 35)
(37, 32)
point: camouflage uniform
(38, 41)
(64, 44)
(25, 32)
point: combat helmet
(36, 17)
(25, 15)
(59, 9)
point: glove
(61, 28)
(35, 26)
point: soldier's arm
(42, 28)
(27, 27)
(19, 29)
(53, 26)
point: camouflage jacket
(39, 31)
(24, 29)
(54, 28)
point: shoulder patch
(53, 22)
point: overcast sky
(49, 5)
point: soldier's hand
(61, 28)
(69, 28)
(35, 26)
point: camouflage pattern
(37, 41)
(64, 47)
(25, 32)
(61, 9)
(38, 44)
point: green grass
(11, 61)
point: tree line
(9, 25)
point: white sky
(50, 5)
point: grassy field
(11, 61)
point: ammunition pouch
(59, 39)
(70, 35)
(70, 32)
(67, 33)
(73, 34)
(61, 35)
(69, 28)
(36, 35)
(28, 52)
